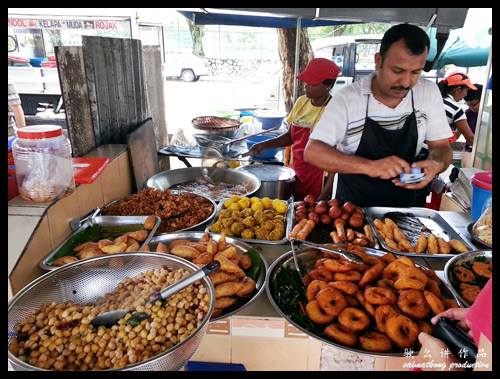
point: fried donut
(405, 282)
(354, 319)
(338, 266)
(412, 303)
(331, 301)
(424, 326)
(450, 303)
(394, 270)
(313, 288)
(388, 258)
(380, 296)
(374, 341)
(407, 261)
(341, 335)
(482, 269)
(384, 313)
(372, 274)
(348, 288)
(463, 274)
(366, 305)
(385, 283)
(352, 301)
(433, 286)
(351, 276)
(316, 314)
(319, 262)
(434, 302)
(321, 273)
(402, 331)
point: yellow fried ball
(257, 206)
(254, 200)
(267, 203)
(234, 207)
(279, 206)
(248, 234)
(216, 227)
(249, 222)
(244, 202)
(237, 228)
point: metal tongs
(351, 257)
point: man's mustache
(401, 88)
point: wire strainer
(87, 281)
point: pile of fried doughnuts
(379, 306)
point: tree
(197, 37)
(286, 49)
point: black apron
(377, 143)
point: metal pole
(297, 49)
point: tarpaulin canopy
(465, 47)
(201, 18)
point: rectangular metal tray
(430, 218)
(376, 246)
(104, 221)
(288, 225)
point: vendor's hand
(388, 167)
(432, 351)
(430, 168)
(257, 148)
(456, 314)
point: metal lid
(269, 173)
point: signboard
(97, 24)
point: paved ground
(186, 100)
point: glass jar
(44, 168)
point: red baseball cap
(318, 70)
(458, 79)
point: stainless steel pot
(166, 179)
(275, 181)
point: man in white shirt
(373, 130)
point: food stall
(299, 285)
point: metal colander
(89, 280)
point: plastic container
(269, 119)
(266, 154)
(44, 169)
(481, 193)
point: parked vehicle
(185, 66)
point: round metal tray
(458, 260)
(306, 258)
(200, 224)
(476, 240)
(242, 248)
(87, 281)
(166, 179)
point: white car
(185, 66)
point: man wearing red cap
(319, 76)
(373, 130)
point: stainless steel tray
(104, 221)
(376, 245)
(456, 261)
(200, 224)
(242, 248)
(288, 225)
(475, 240)
(306, 259)
(166, 179)
(430, 218)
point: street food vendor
(319, 76)
(373, 130)
(454, 89)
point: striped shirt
(13, 99)
(343, 121)
(454, 111)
